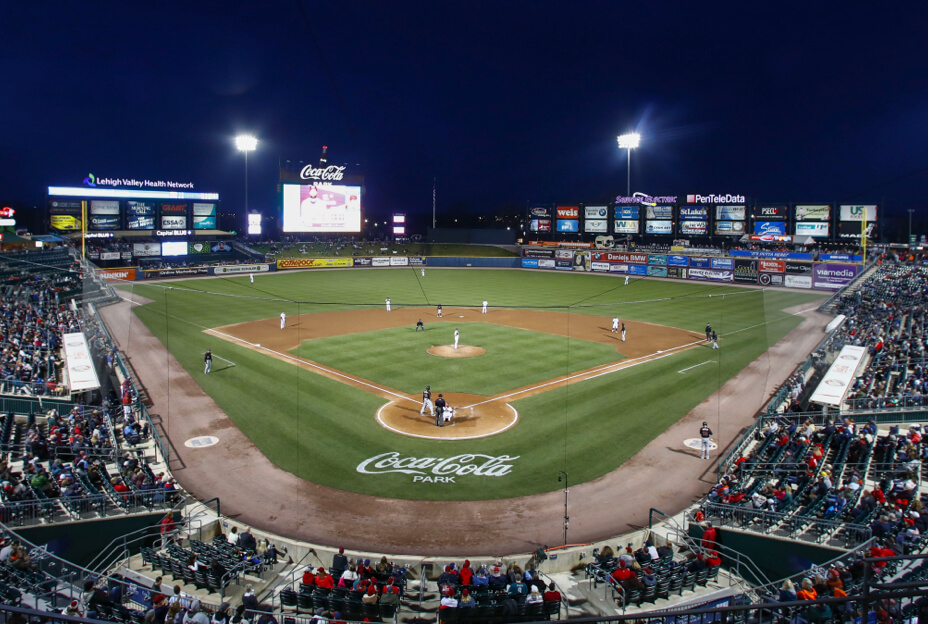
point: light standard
(629, 142)
(562, 474)
(246, 143)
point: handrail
(854, 533)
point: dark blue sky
(503, 102)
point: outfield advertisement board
(840, 258)
(729, 228)
(657, 271)
(723, 263)
(568, 225)
(633, 258)
(797, 281)
(657, 259)
(833, 276)
(797, 268)
(238, 269)
(317, 263)
(711, 275)
(117, 274)
(678, 261)
(595, 212)
(700, 263)
(694, 213)
(694, 228)
(537, 253)
(184, 272)
(813, 213)
(658, 227)
(677, 272)
(769, 228)
(380, 262)
(540, 225)
(637, 269)
(362, 262)
(771, 266)
(625, 227)
(729, 213)
(595, 226)
(659, 213)
(771, 213)
(600, 266)
(544, 263)
(770, 279)
(754, 253)
(858, 213)
(813, 229)
(626, 213)
(746, 271)
(529, 263)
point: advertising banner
(599, 266)
(544, 263)
(204, 210)
(564, 264)
(798, 268)
(693, 227)
(625, 227)
(858, 213)
(176, 272)
(109, 255)
(618, 268)
(399, 261)
(771, 266)
(712, 275)
(678, 272)
(756, 253)
(769, 228)
(416, 261)
(538, 253)
(834, 385)
(657, 259)
(568, 212)
(729, 228)
(140, 208)
(658, 227)
(117, 274)
(659, 213)
(199, 248)
(702, 263)
(770, 279)
(204, 223)
(626, 212)
(637, 269)
(817, 230)
(362, 262)
(529, 263)
(104, 207)
(723, 263)
(678, 261)
(657, 271)
(65, 207)
(568, 225)
(241, 268)
(633, 258)
(813, 213)
(564, 254)
(694, 213)
(746, 271)
(64, 222)
(797, 281)
(380, 262)
(540, 211)
(174, 209)
(840, 258)
(173, 223)
(314, 263)
(595, 212)
(771, 213)
(77, 359)
(540, 225)
(851, 229)
(729, 213)
(140, 222)
(582, 261)
(597, 226)
(104, 223)
(143, 250)
(833, 276)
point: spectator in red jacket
(323, 579)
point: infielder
(427, 401)
(420, 325)
(623, 332)
(615, 324)
(708, 332)
(457, 335)
(283, 319)
(440, 405)
(388, 305)
(208, 361)
(484, 310)
(706, 434)
(438, 310)
(715, 340)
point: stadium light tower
(246, 143)
(629, 142)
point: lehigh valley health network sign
(93, 181)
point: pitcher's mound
(461, 351)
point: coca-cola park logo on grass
(439, 469)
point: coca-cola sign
(332, 173)
(439, 469)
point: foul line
(695, 365)
(219, 357)
(130, 300)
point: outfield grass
(322, 430)
(528, 357)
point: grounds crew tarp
(838, 379)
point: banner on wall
(677, 261)
(771, 266)
(694, 213)
(770, 279)
(659, 213)
(658, 227)
(104, 207)
(723, 263)
(625, 227)
(657, 259)
(595, 226)
(813, 213)
(729, 228)
(693, 227)
(568, 225)
(797, 281)
(746, 271)
(595, 212)
(769, 228)
(540, 225)
(729, 213)
(833, 276)
(712, 275)
(318, 263)
(816, 230)
(143, 250)
(568, 212)
(858, 213)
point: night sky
(503, 102)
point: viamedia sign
(439, 469)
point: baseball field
(540, 383)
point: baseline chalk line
(695, 365)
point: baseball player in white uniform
(388, 305)
(484, 310)
(457, 335)
(447, 414)
(251, 276)
(427, 401)
(438, 310)
(423, 272)
(626, 279)
(615, 324)
(283, 319)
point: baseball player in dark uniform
(708, 332)
(419, 325)
(438, 310)
(427, 400)
(208, 361)
(439, 408)
(705, 435)
(715, 340)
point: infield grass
(322, 430)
